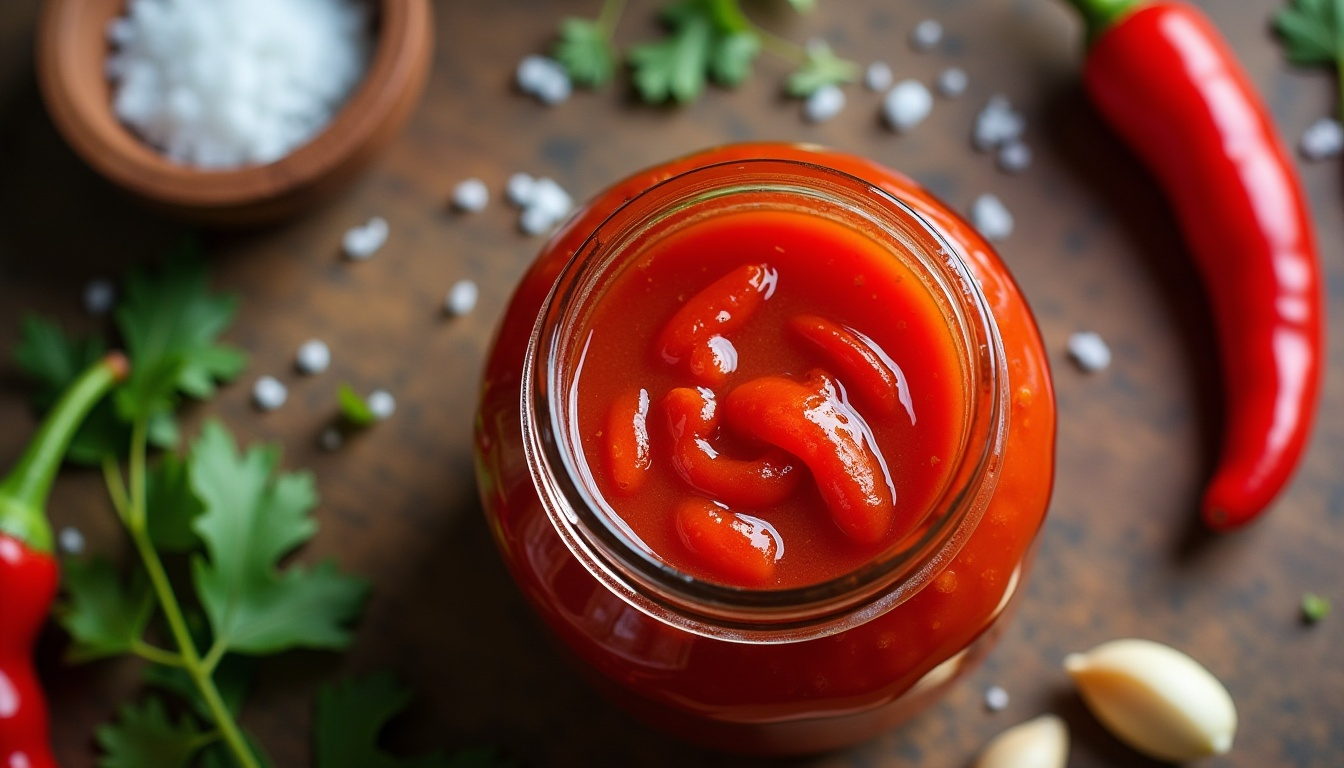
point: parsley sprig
(209, 591)
(706, 40)
(1313, 35)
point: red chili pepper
(1163, 77)
(28, 570)
(696, 333)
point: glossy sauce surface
(819, 271)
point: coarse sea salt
(824, 104)
(227, 83)
(906, 105)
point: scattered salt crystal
(1089, 351)
(268, 393)
(461, 298)
(226, 84)
(381, 404)
(519, 189)
(1322, 139)
(534, 221)
(471, 195)
(313, 357)
(926, 35)
(331, 439)
(99, 296)
(1014, 157)
(997, 124)
(362, 242)
(71, 541)
(551, 198)
(544, 202)
(952, 82)
(991, 218)
(878, 76)
(996, 698)
(824, 104)
(906, 105)
(544, 78)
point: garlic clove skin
(1156, 699)
(1042, 742)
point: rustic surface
(1094, 248)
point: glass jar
(864, 636)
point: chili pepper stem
(23, 493)
(1101, 15)
(190, 659)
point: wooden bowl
(72, 47)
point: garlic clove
(1039, 743)
(1156, 699)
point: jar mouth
(597, 536)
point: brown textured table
(1094, 248)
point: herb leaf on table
(146, 736)
(1312, 32)
(585, 50)
(350, 715)
(104, 615)
(251, 520)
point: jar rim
(600, 540)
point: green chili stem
(23, 493)
(1101, 15)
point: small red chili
(1163, 77)
(28, 570)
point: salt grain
(991, 218)
(906, 105)
(825, 103)
(544, 202)
(1089, 351)
(997, 124)
(471, 195)
(313, 357)
(996, 698)
(519, 189)
(268, 393)
(227, 83)
(544, 78)
(381, 404)
(363, 242)
(1322, 139)
(878, 76)
(461, 298)
(70, 541)
(1014, 157)
(926, 35)
(99, 297)
(952, 82)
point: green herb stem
(190, 658)
(779, 46)
(609, 17)
(157, 655)
(116, 488)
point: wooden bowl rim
(398, 53)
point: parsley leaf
(350, 714)
(233, 678)
(585, 51)
(821, 68)
(1310, 31)
(144, 736)
(170, 323)
(252, 520)
(171, 506)
(803, 6)
(51, 359)
(354, 408)
(733, 57)
(104, 616)
(674, 68)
